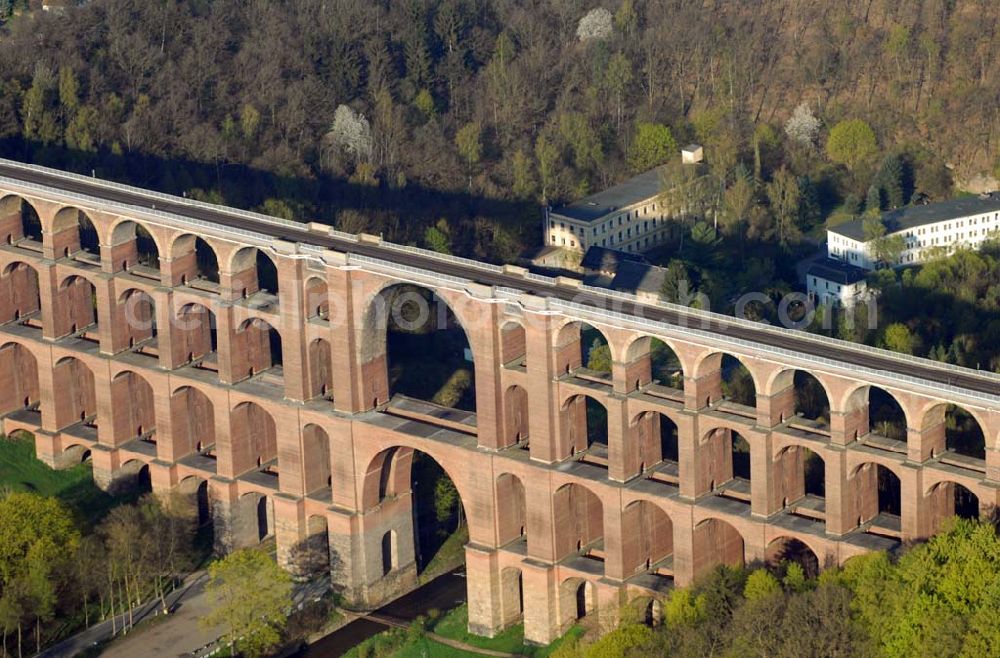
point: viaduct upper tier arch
(242, 359)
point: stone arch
(723, 375)
(653, 360)
(794, 392)
(253, 270)
(193, 260)
(73, 232)
(647, 536)
(320, 369)
(19, 221)
(76, 306)
(657, 436)
(511, 505)
(75, 454)
(872, 409)
(798, 472)
(578, 519)
(402, 319)
(948, 498)
(133, 245)
(76, 399)
(582, 345)
(874, 489)
(317, 298)
(793, 549)
(20, 293)
(253, 438)
(584, 424)
(194, 335)
(577, 599)
(19, 387)
(716, 542)
(253, 519)
(192, 425)
(256, 348)
(311, 556)
(133, 477)
(513, 344)
(137, 315)
(133, 407)
(953, 428)
(725, 458)
(317, 472)
(195, 493)
(515, 404)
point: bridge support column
(543, 407)
(776, 408)
(687, 455)
(541, 622)
(484, 591)
(992, 463)
(763, 491)
(840, 518)
(623, 454)
(291, 329)
(289, 526)
(104, 292)
(922, 443)
(683, 549)
(373, 554)
(910, 499)
(701, 391)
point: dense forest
(391, 116)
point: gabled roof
(636, 189)
(837, 271)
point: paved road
(794, 341)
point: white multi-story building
(928, 230)
(834, 282)
(628, 217)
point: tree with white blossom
(803, 127)
(597, 24)
(352, 133)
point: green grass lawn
(453, 625)
(20, 471)
(450, 555)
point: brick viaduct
(275, 405)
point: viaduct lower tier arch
(296, 456)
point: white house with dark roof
(628, 217)
(936, 228)
(834, 282)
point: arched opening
(256, 348)
(253, 519)
(877, 497)
(513, 345)
(76, 400)
(583, 351)
(311, 557)
(133, 248)
(389, 559)
(798, 397)
(20, 297)
(512, 516)
(139, 312)
(647, 537)
(579, 522)
(784, 550)
(194, 263)
(716, 542)
(317, 299)
(650, 361)
(254, 441)
(19, 388)
(877, 416)
(74, 234)
(947, 499)
(511, 596)
(75, 454)
(320, 369)
(737, 382)
(133, 479)
(194, 336)
(316, 460)
(585, 428)
(956, 430)
(801, 481)
(515, 415)
(726, 464)
(192, 417)
(194, 493)
(76, 309)
(253, 273)
(577, 600)
(19, 223)
(410, 489)
(133, 408)
(656, 434)
(425, 351)
(722, 376)
(584, 599)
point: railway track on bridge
(717, 324)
